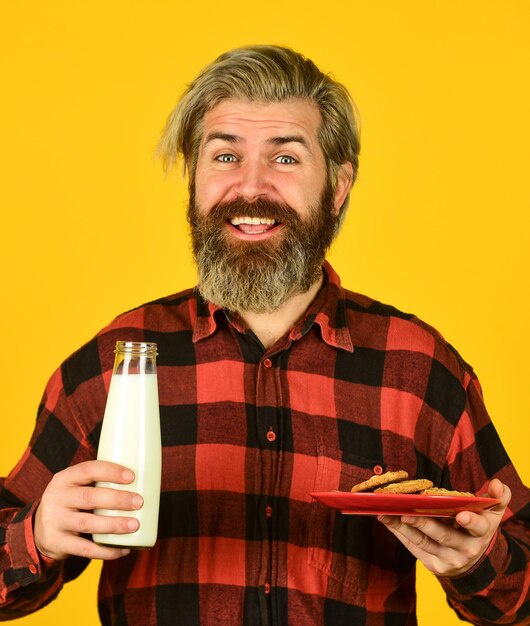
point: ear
(343, 186)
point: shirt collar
(328, 311)
(203, 317)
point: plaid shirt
(248, 433)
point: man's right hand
(66, 506)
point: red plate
(401, 503)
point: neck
(269, 327)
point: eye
(226, 158)
(285, 159)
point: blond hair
(263, 74)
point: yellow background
(438, 224)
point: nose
(253, 181)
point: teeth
(235, 221)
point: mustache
(278, 211)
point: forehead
(299, 116)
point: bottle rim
(136, 347)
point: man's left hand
(451, 550)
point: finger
(90, 472)
(476, 524)
(440, 533)
(484, 523)
(90, 498)
(89, 523)
(412, 538)
(79, 546)
(497, 489)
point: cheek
(303, 188)
(210, 189)
(294, 190)
(306, 197)
(204, 193)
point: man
(274, 382)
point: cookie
(440, 491)
(406, 486)
(380, 479)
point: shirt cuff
(46, 561)
(26, 565)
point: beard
(260, 276)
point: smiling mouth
(253, 225)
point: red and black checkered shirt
(247, 435)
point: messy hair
(263, 73)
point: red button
(378, 470)
(267, 588)
(271, 435)
(32, 569)
(267, 363)
(268, 510)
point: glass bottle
(130, 435)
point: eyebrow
(223, 136)
(280, 141)
(275, 141)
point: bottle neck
(135, 358)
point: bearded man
(275, 382)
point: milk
(130, 435)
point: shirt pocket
(349, 549)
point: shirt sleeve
(496, 589)
(27, 581)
